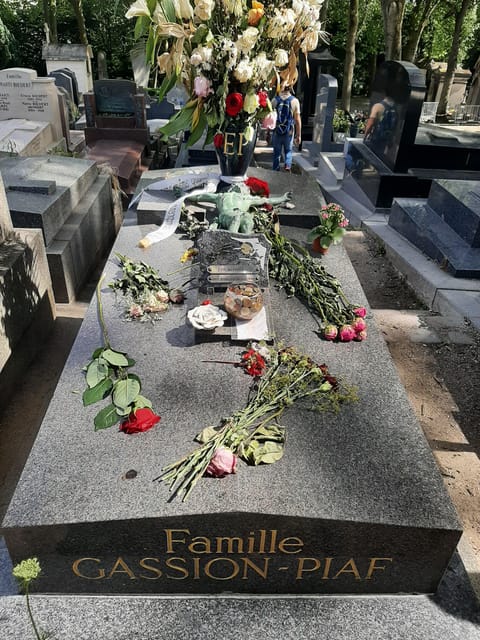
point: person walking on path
(288, 128)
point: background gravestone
(24, 95)
(404, 84)
(322, 137)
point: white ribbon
(209, 182)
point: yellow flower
(188, 254)
(255, 14)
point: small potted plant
(341, 125)
(331, 229)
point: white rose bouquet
(228, 55)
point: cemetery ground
(437, 360)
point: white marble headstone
(24, 95)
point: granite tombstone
(356, 505)
(446, 226)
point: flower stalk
(290, 377)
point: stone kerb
(24, 95)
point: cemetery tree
(461, 10)
(350, 55)
(78, 11)
(50, 17)
(393, 12)
(419, 15)
(6, 42)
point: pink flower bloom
(202, 86)
(347, 333)
(270, 121)
(359, 324)
(325, 216)
(360, 312)
(330, 332)
(222, 463)
(361, 335)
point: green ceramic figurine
(234, 208)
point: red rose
(234, 104)
(258, 187)
(218, 139)
(262, 98)
(139, 421)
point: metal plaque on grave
(115, 96)
(227, 257)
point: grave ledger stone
(356, 505)
(446, 226)
(71, 204)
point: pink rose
(359, 324)
(347, 333)
(361, 312)
(361, 335)
(202, 86)
(330, 332)
(270, 121)
(222, 463)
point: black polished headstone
(73, 77)
(64, 81)
(400, 86)
(446, 227)
(115, 96)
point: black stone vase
(235, 153)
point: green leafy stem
(107, 374)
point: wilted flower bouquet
(282, 376)
(228, 55)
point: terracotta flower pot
(318, 248)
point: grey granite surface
(357, 485)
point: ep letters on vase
(262, 554)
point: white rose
(244, 70)
(206, 316)
(281, 58)
(247, 40)
(263, 67)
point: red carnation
(234, 104)
(139, 421)
(258, 187)
(218, 139)
(262, 98)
